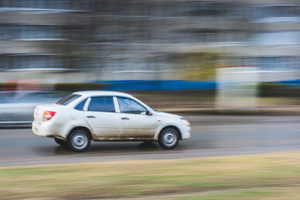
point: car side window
(130, 106)
(102, 104)
(80, 105)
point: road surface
(211, 136)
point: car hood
(168, 115)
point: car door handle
(124, 118)
(91, 116)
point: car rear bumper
(45, 129)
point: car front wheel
(79, 140)
(168, 138)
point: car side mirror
(148, 113)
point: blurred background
(224, 54)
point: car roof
(102, 93)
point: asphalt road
(211, 136)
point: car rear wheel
(60, 142)
(168, 138)
(79, 140)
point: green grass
(266, 176)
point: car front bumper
(185, 132)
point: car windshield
(68, 99)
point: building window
(13, 62)
(205, 36)
(195, 9)
(31, 32)
(273, 64)
(48, 4)
(277, 38)
(276, 13)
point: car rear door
(102, 117)
(136, 123)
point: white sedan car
(80, 117)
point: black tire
(79, 140)
(61, 142)
(168, 138)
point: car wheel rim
(79, 141)
(170, 139)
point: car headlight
(186, 122)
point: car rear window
(68, 99)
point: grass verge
(266, 176)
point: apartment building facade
(87, 40)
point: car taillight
(48, 115)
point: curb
(269, 111)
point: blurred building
(87, 40)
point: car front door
(136, 122)
(102, 117)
